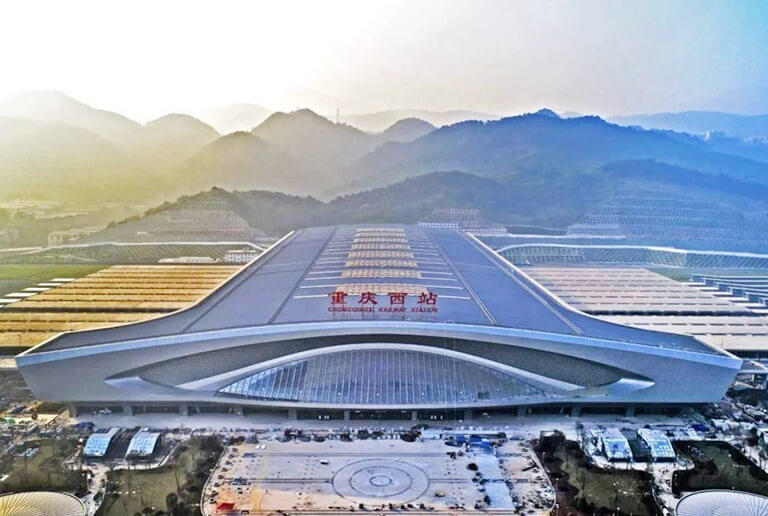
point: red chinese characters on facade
(368, 298)
(338, 297)
(339, 302)
(397, 298)
(426, 302)
(427, 298)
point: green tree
(171, 502)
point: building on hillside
(462, 219)
(188, 259)
(241, 255)
(662, 219)
(196, 220)
(64, 237)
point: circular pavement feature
(381, 480)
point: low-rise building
(241, 255)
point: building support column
(127, 410)
(468, 414)
(630, 412)
(576, 411)
(414, 415)
(522, 411)
(292, 414)
(346, 415)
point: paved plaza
(336, 475)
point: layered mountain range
(54, 147)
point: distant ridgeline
(561, 165)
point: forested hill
(541, 143)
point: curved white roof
(98, 443)
(722, 502)
(142, 444)
(40, 503)
(292, 283)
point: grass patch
(18, 276)
(717, 465)
(43, 471)
(174, 488)
(683, 275)
(120, 254)
(583, 489)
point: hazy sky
(145, 59)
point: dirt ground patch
(583, 489)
